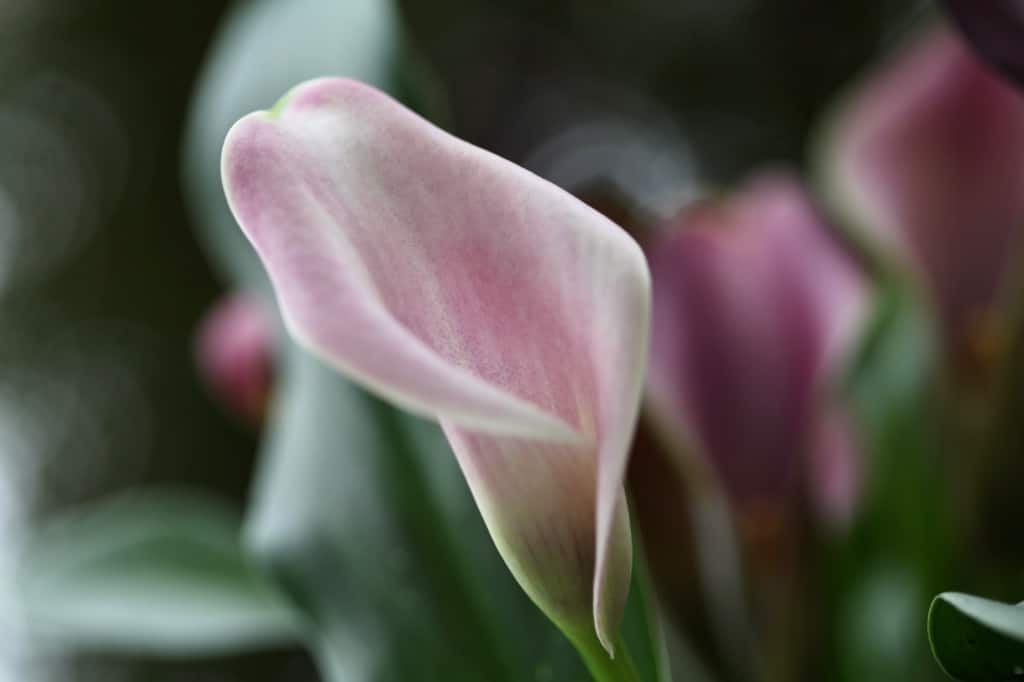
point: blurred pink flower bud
(755, 307)
(234, 351)
(927, 157)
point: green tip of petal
(280, 105)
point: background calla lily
(927, 155)
(754, 305)
(460, 286)
(996, 29)
(235, 353)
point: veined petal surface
(460, 286)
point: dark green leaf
(641, 627)
(977, 640)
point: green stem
(603, 667)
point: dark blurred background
(101, 279)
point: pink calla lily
(460, 286)
(754, 307)
(927, 157)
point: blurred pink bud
(460, 286)
(927, 156)
(755, 307)
(234, 351)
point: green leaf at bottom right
(976, 639)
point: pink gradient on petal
(519, 486)
(235, 353)
(460, 286)
(930, 151)
(754, 307)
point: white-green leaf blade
(151, 572)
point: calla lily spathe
(460, 286)
(755, 308)
(926, 156)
